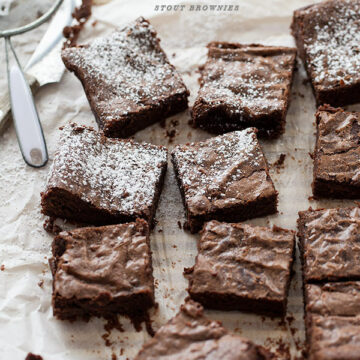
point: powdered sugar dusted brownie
(245, 86)
(102, 271)
(332, 320)
(337, 154)
(224, 178)
(192, 336)
(128, 79)
(242, 267)
(99, 180)
(327, 35)
(329, 244)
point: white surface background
(26, 321)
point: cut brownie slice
(102, 181)
(102, 271)
(333, 321)
(224, 178)
(191, 336)
(245, 86)
(337, 154)
(243, 267)
(329, 244)
(327, 35)
(128, 79)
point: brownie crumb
(50, 226)
(105, 337)
(2, 267)
(171, 134)
(94, 23)
(81, 14)
(279, 163)
(113, 323)
(41, 283)
(31, 356)
(179, 224)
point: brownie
(245, 86)
(329, 244)
(31, 356)
(333, 321)
(128, 79)
(98, 180)
(242, 267)
(191, 336)
(337, 154)
(102, 271)
(327, 35)
(224, 178)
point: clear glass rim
(34, 24)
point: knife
(45, 65)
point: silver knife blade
(53, 33)
(50, 68)
(47, 66)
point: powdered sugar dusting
(247, 82)
(334, 47)
(117, 175)
(127, 69)
(204, 167)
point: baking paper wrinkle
(26, 321)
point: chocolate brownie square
(337, 154)
(333, 321)
(327, 35)
(98, 180)
(224, 178)
(128, 79)
(191, 336)
(329, 244)
(102, 271)
(242, 267)
(245, 86)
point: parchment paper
(26, 321)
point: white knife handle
(5, 108)
(26, 119)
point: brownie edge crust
(102, 271)
(327, 36)
(192, 336)
(243, 267)
(98, 180)
(245, 86)
(337, 154)
(224, 178)
(128, 79)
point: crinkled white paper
(26, 321)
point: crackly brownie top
(252, 79)
(243, 260)
(330, 240)
(109, 260)
(331, 32)
(334, 338)
(223, 171)
(190, 335)
(125, 71)
(337, 155)
(333, 299)
(111, 174)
